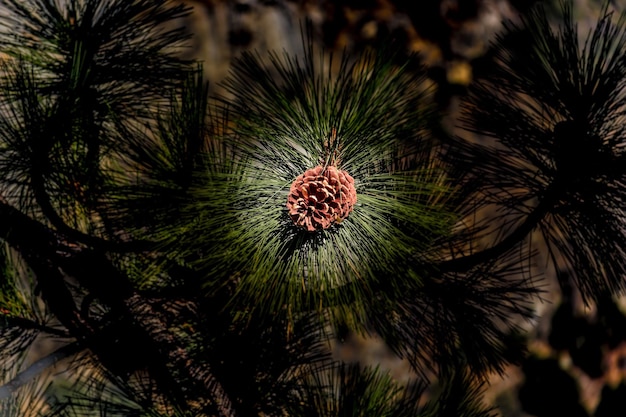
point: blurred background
(576, 359)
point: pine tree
(194, 254)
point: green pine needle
(371, 121)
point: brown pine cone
(320, 197)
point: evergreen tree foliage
(552, 103)
(155, 232)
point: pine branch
(466, 263)
(37, 245)
(42, 133)
(195, 380)
(34, 242)
(27, 324)
(548, 110)
(38, 367)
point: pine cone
(320, 197)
